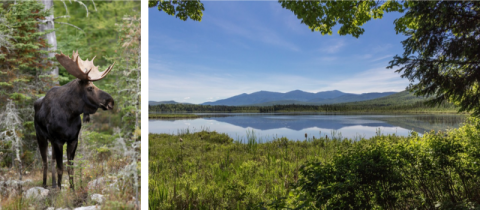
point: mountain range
(153, 103)
(266, 98)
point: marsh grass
(209, 170)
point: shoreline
(194, 115)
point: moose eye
(89, 88)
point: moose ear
(86, 118)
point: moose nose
(110, 103)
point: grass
(209, 170)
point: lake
(294, 126)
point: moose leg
(58, 148)
(71, 148)
(54, 182)
(43, 146)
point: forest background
(109, 146)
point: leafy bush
(438, 170)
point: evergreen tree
(441, 56)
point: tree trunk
(51, 38)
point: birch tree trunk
(17, 152)
(51, 38)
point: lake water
(269, 126)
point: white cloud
(254, 31)
(381, 48)
(383, 57)
(333, 48)
(373, 80)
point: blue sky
(245, 47)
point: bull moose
(57, 114)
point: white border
(144, 106)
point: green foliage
(388, 172)
(130, 71)
(23, 19)
(182, 9)
(99, 139)
(19, 97)
(322, 16)
(22, 59)
(5, 84)
(440, 58)
(95, 35)
(29, 125)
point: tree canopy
(181, 9)
(322, 16)
(441, 56)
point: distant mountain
(400, 98)
(153, 103)
(266, 98)
(347, 97)
(246, 99)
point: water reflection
(269, 126)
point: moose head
(87, 72)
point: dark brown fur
(57, 119)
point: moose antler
(84, 70)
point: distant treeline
(350, 107)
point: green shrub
(438, 170)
